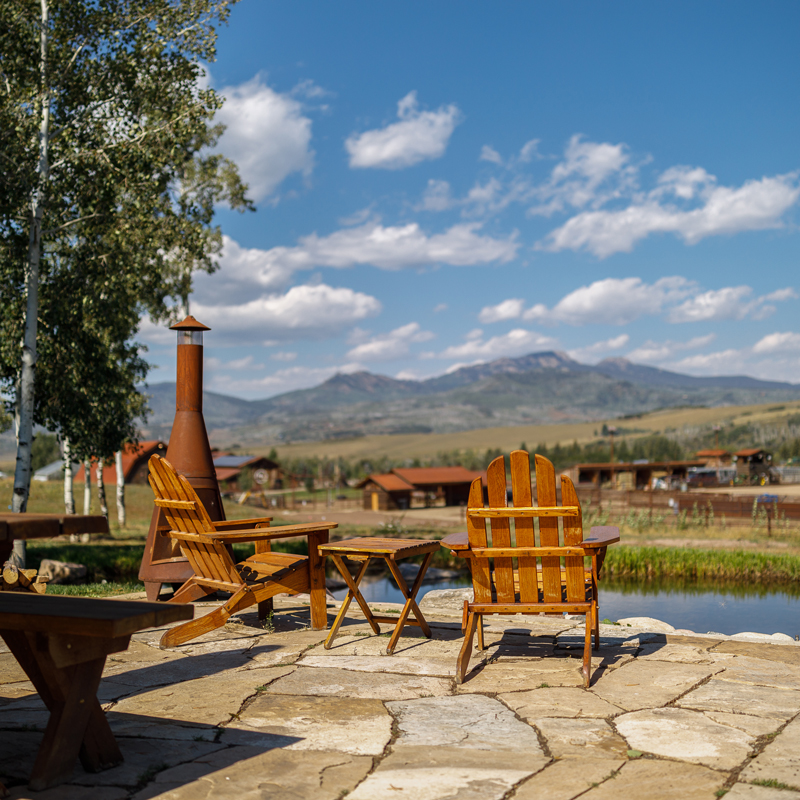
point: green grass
(676, 562)
(96, 589)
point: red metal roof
(130, 457)
(711, 453)
(226, 473)
(429, 476)
(390, 483)
(750, 451)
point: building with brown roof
(134, 463)
(393, 490)
(714, 457)
(753, 463)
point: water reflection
(700, 606)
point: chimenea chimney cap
(189, 324)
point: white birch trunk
(24, 410)
(87, 486)
(69, 494)
(120, 489)
(101, 489)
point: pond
(721, 608)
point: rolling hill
(539, 388)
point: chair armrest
(262, 534)
(456, 541)
(601, 537)
(239, 524)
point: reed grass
(695, 564)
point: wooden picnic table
(45, 526)
(62, 644)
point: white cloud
(418, 136)
(267, 135)
(302, 312)
(612, 301)
(245, 271)
(589, 175)
(389, 346)
(590, 352)
(283, 356)
(659, 352)
(508, 309)
(529, 151)
(778, 343)
(755, 205)
(728, 303)
(440, 307)
(516, 342)
(488, 153)
(436, 197)
(391, 248)
(284, 380)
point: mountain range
(539, 388)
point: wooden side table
(391, 551)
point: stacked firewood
(15, 579)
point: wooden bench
(62, 644)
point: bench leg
(316, 580)
(77, 725)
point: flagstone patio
(251, 713)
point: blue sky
(444, 183)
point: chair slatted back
(540, 577)
(185, 512)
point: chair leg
(462, 664)
(587, 652)
(596, 625)
(190, 591)
(265, 608)
(181, 634)
(481, 645)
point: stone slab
(559, 702)
(10, 670)
(522, 676)
(567, 778)
(66, 792)
(755, 726)
(423, 773)
(659, 780)
(740, 698)
(649, 684)
(685, 736)
(444, 668)
(747, 791)
(759, 672)
(473, 722)
(344, 724)
(278, 649)
(142, 757)
(248, 773)
(323, 682)
(678, 653)
(211, 700)
(590, 738)
(786, 654)
(780, 759)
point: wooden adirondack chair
(549, 577)
(255, 580)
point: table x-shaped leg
(77, 725)
(353, 591)
(411, 602)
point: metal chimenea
(190, 453)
